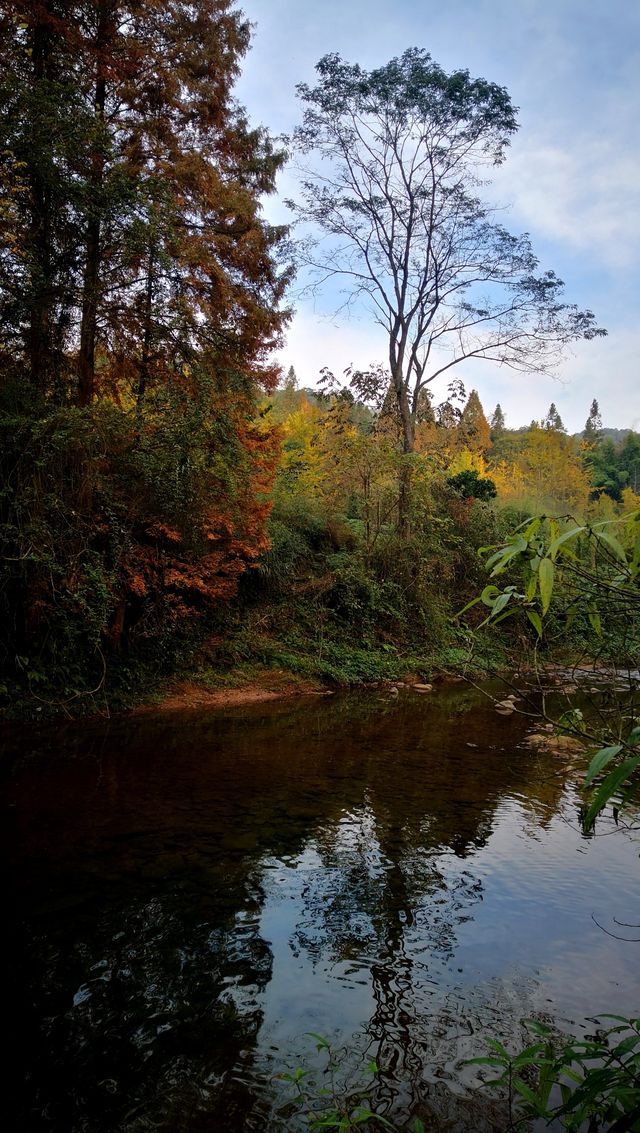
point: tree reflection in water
(195, 892)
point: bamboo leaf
(546, 575)
(536, 621)
(554, 546)
(525, 1092)
(609, 787)
(612, 543)
(594, 620)
(600, 760)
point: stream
(190, 894)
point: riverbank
(247, 665)
(176, 695)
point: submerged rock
(560, 745)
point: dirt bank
(183, 694)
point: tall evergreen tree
(553, 420)
(593, 426)
(474, 427)
(497, 423)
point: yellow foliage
(630, 500)
(547, 473)
(468, 461)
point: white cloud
(315, 341)
(586, 195)
(607, 369)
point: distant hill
(617, 435)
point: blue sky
(572, 178)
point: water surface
(190, 894)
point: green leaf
(634, 737)
(600, 760)
(503, 615)
(499, 1049)
(501, 601)
(612, 543)
(531, 587)
(545, 575)
(564, 538)
(537, 1027)
(473, 602)
(322, 1043)
(609, 787)
(495, 557)
(630, 1043)
(594, 619)
(536, 621)
(530, 1056)
(525, 1092)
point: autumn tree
(545, 471)
(392, 210)
(141, 239)
(287, 398)
(474, 427)
(141, 297)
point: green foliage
(611, 467)
(363, 596)
(471, 484)
(108, 536)
(277, 566)
(326, 1101)
(597, 1078)
(581, 568)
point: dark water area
(187, 895)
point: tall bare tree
(393, 162)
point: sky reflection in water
(194, 893)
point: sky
(571, 179)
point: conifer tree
(497, 423)
(593, 426)
(138, 234)
(474, 427)
(629, 460)
(553, 420)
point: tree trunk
(39, 327)
(86, 361)
(145, 357)
(408, 447)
